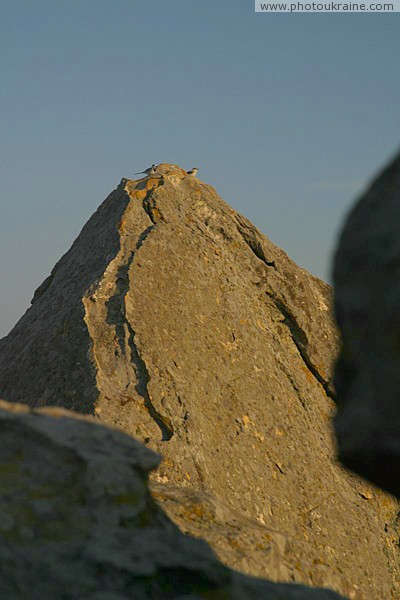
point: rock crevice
(301, 342)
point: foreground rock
(77, 521)
(173, 318)
(367, 300)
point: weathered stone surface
(77, 521)
(367, 301)
(173, 318)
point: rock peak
(173, 318)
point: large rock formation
(367, 300)
(77, 521)
(173, 318)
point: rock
(367, 299)
(77, 521)
(174, 319)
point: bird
(193, 172)
(150, 171)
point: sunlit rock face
(174, 319)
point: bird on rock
(150, 171)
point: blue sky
(288, 116)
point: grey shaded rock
(367, 300)
(174, 319)
(102, 537)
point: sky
(288, 116)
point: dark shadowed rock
(367, 301)
(77, 521)
(173, 318)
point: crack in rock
(255, 246)
(292, 383)
(143, 377)
(297, 333)
(300, 340)
(152, 210)
(116, 316)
